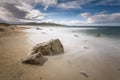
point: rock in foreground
(36, 59)
(52, 47)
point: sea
(112, 32)
(104, 31)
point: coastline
(98, 58)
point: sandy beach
(85, 57)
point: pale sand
(85, 57)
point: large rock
(52, 47)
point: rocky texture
(51, 47)
(36, 59)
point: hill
(42, 24)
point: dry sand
(85, 58)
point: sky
(69, 12)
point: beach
(85, 57)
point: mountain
(42, 24)
(4, 24)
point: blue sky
(70, 12)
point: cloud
(85, 15)
(69, 5)
(23, 10)
(101, 17)
(73, 4)
(32, 2)
(108, 2)
(34, 15)
(17, 13)
(47, 3)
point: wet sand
(85, 57)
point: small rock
(36, 59)
(1, 29)
(38, 28)
(12, 28)
(76, 35)
(98, 35)
(86, 47)
(84, 74)
(40, 78)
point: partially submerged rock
(86, 47)
(98, 35)
(76, 35)
(38, 28)
(51, 47)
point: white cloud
(95, 19)
(47, 3)
(4, 14)
(74, 4)
(85, 15)
(109, 2)
(101, 18)
(23, 10)
(31, 2)
(69, 5)
(34, 14)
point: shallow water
(109, 32)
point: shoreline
(85, 57)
